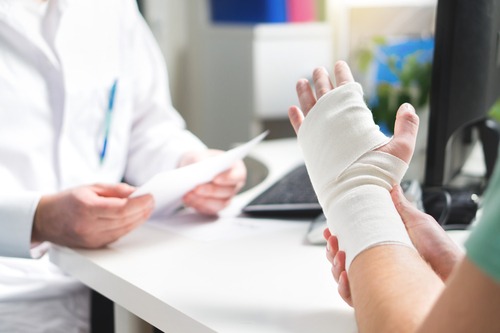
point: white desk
(268, 282)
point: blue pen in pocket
(107, 121)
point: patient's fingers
(306, 96)
(296, 117)
(322, 82)
(343, 73)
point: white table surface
(271, 281)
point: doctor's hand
(90, 216)
(212, 197)
(406, 127)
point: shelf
(385, 3)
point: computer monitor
(465, 84)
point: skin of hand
(90, 216)
(429, 238)
(210, 198)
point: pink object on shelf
(301, 10)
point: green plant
(495, 111)
(413, 86)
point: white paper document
(199, 227)
(170, 186)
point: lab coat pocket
(98, 124)
(115, 124)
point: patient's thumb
(405, 130)
(406, 126)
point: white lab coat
(54, 91)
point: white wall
(176, 25)
(179, 26)
(168, 21)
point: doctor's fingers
(120, 190)
(205, 205)
(236, 175)
(112, 229)
(116, 208)
(119, 221)
(215, 191)
(111, 232)
(98, 232)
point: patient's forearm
(392, 289)
(469, 303)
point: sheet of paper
(192, 225)
(169, 187)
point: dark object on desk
(452, 208)
(291, 196)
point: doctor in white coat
(84, 104)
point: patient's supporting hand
(90, 216)
(210, 198)
(431, 241)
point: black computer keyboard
(292, 195)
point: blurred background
(233, 64)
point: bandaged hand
(352, 165)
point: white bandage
(352, 181)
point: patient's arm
(469, 303)
(393, 289)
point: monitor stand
(456, 204)
(489, 133)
